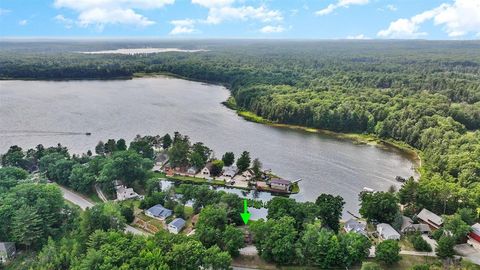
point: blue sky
(311, 19)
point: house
(248, 174)
(158, 212)
(474, 236)
(280, 184)
(353, 225)
(206, 171)
(409, 227)
(387, 232)
(160, 161)
(429, 218)
(124, 193)
(7, 251)
(192, 170)
(230, 172)
(176, 225)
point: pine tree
(27, 226)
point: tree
(445, 246)
(379, 206)
(178, 152)
(179, 211)
(257, 168)
(215, 259)
(228, 159)
(60, 171)
(388, 252)
(419, 243)
(127, 166)
(110, 146)
(330, 210)
(217, 166)
(457, 227)
(275, 239)
(143, 148)
(199, 155)
(81, 179)
(233, 205)
(127, 213)
(13, 157)
(243, 161)
(121, 145)
(320, 247)
(186, 255)
(356, 248)
(468, 215)
(100, 148)
(10, 177)
(211, 223)
(104, 217)
(27, 226)
(232, 240)
(166, 141)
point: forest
(423, 93)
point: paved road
(468, 252)
(84, 203)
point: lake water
(49, 112)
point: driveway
(84, 203)
(468, 252)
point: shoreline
(357, 138)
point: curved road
(84, 203)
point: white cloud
(186, 26)
(272, 29)
(103, 12)
(4, 11)
(23, 22)
(360, 36)
(340, 4)
(213, 3)
(458, 19)
(391, 7)
(67, 22)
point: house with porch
(431, 219)
(280, 184)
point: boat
(88, 133)
(400, 179)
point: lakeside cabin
(280, 184)
(206, 171)
(431, 219)
(409, 227)
(353, 225)
(230, 172)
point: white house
(7, 251)
(124, 193)
(176, 225)
(192, 170)
(206, 171)
(387, 232)
(158, 212)
(230, 172)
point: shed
(176, 225)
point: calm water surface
(48, 112)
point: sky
(298, 19)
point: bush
(421, 267)
(388, 252)
(419, 243)
(437, 234)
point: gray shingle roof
(160, 211)
(178, 223)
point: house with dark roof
(176, 225)
(158, 212)
(409, 227)
(7, 251)
(427, 217)
(280, 184)
(353, 225)
(230, 171)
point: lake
(51, 112)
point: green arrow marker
(245, 215)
